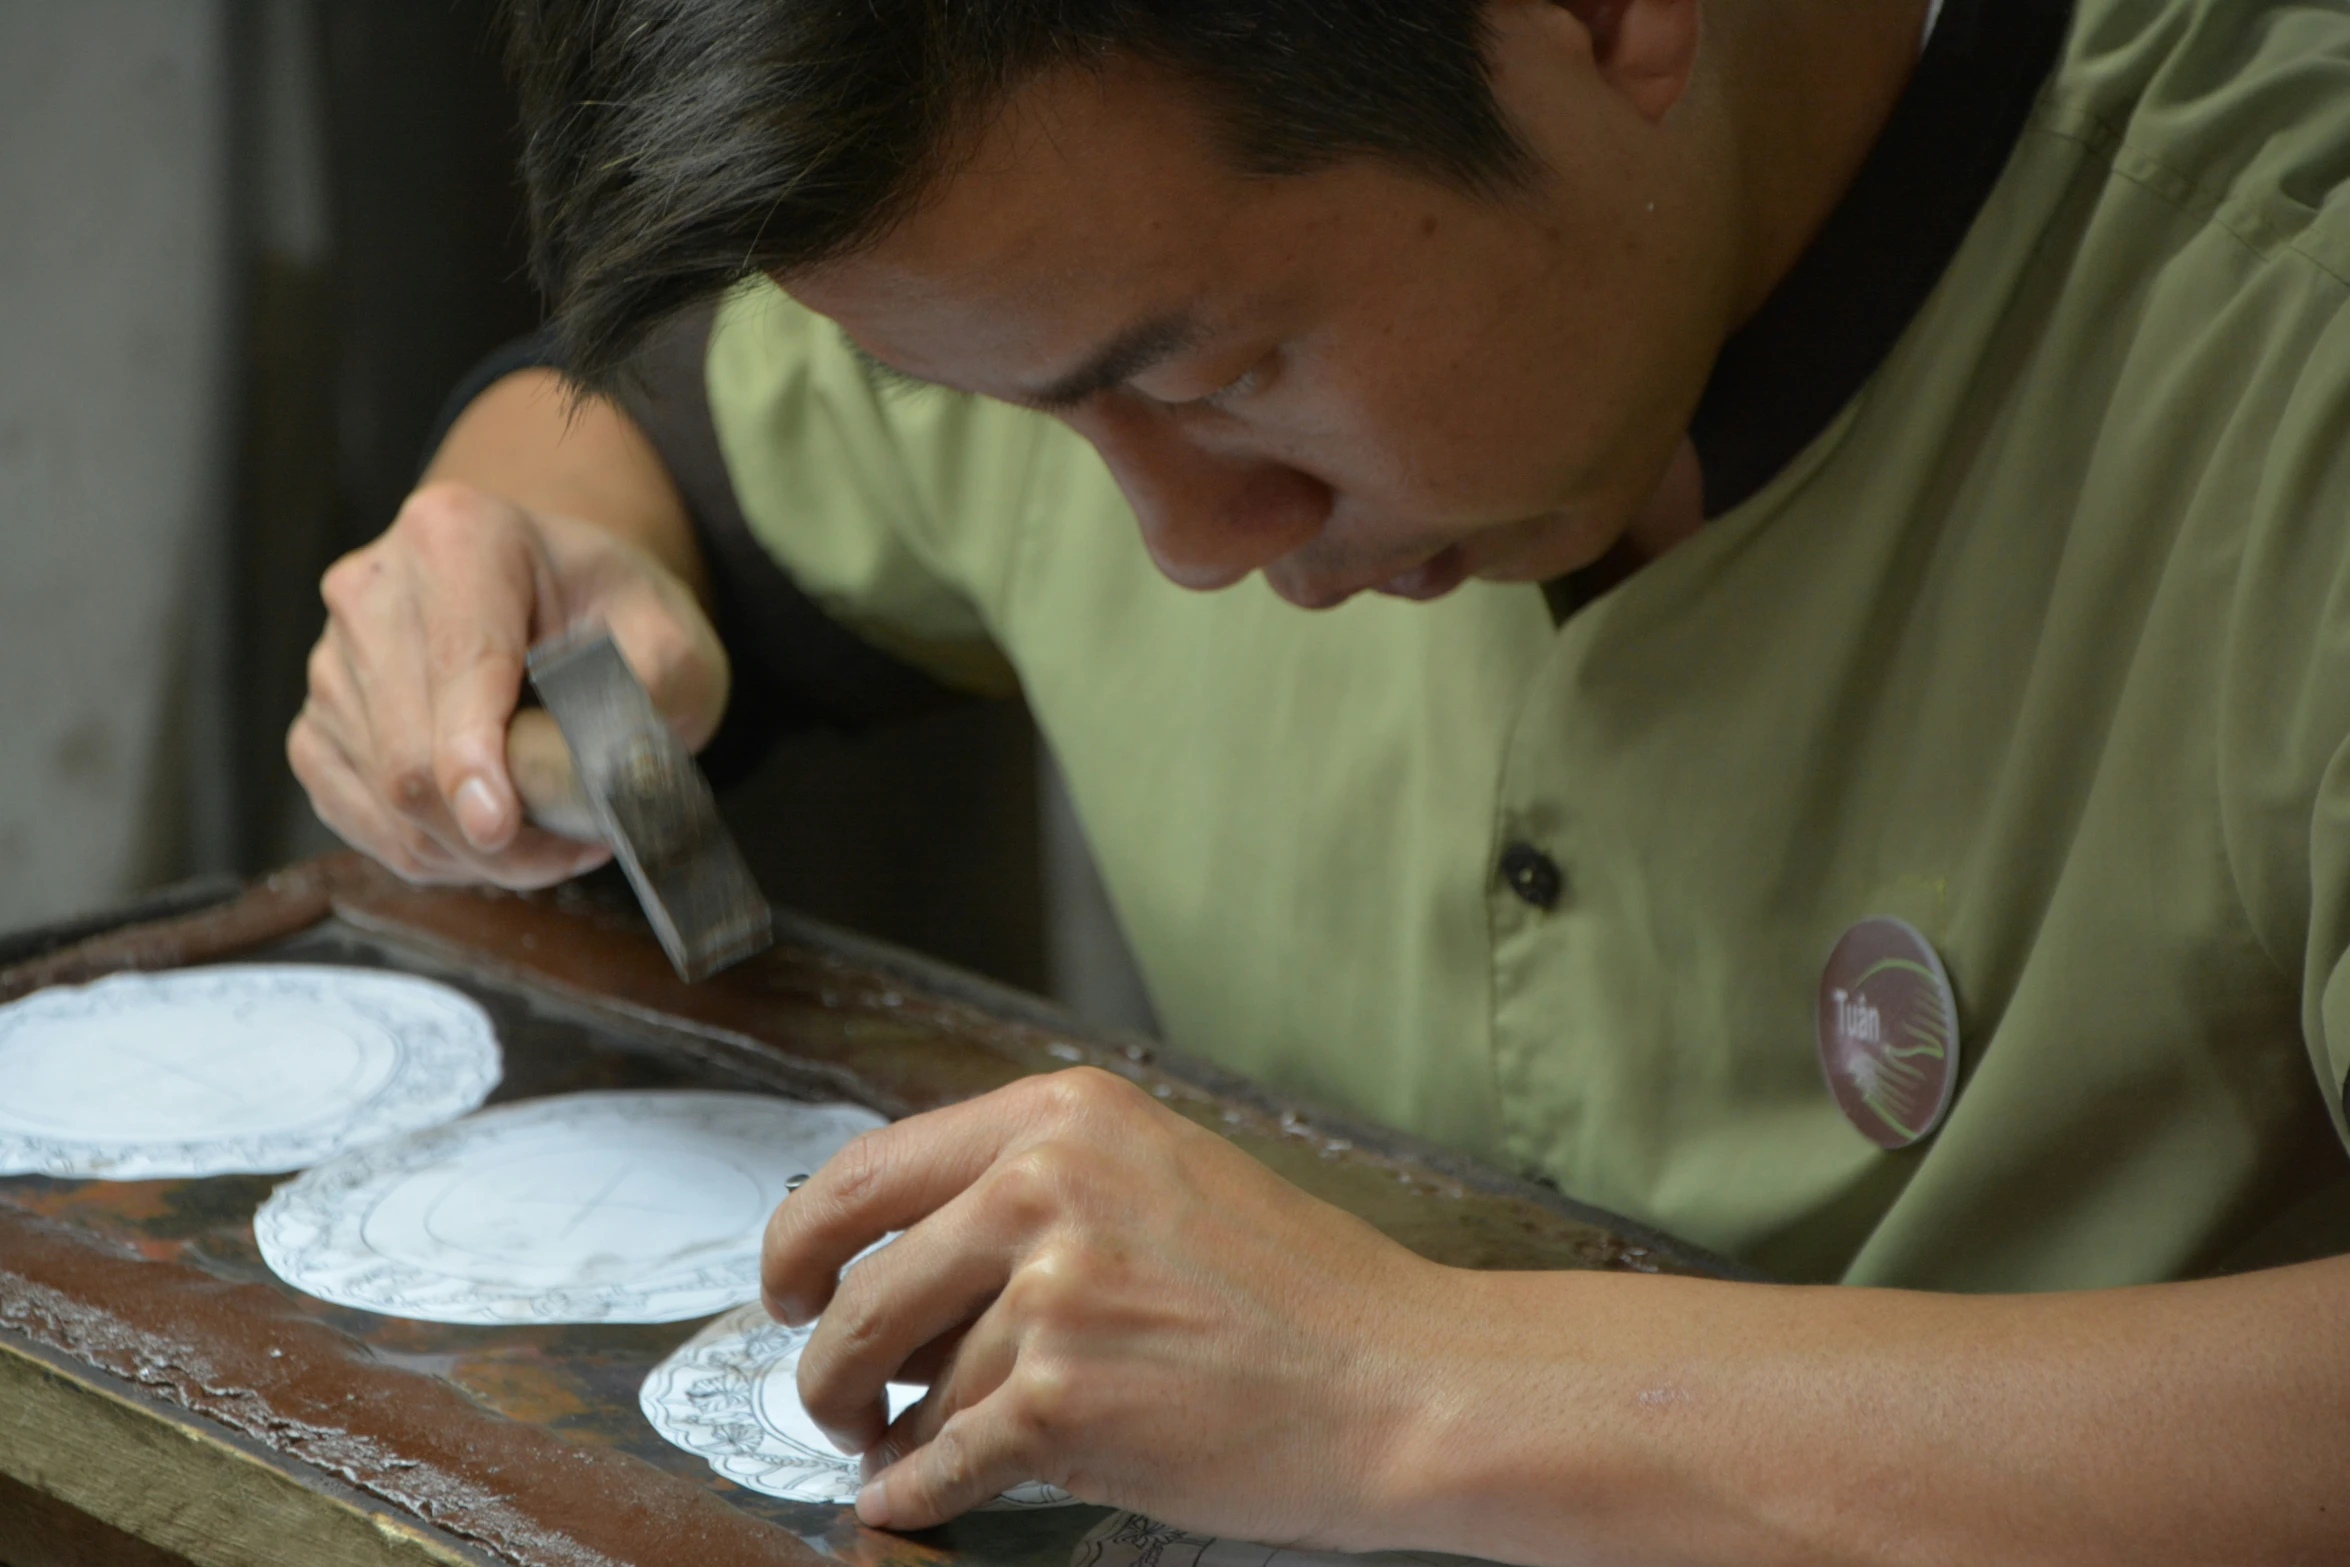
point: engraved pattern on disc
(593, 1207)
(234, 1069)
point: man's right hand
(403, 741)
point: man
(1849, 496)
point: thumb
(472, 702)
(539, 762)
(675, 652)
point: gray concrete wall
(115, 380)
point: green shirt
(2044, 646)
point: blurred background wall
(116, 341)
(246, 247)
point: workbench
(164, 1399)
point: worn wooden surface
(128, 1483)
(157, 1381)
(41, 1531)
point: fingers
(540, 764)
(893, 1178)
(964, 1442)
(346, 806)
(474, 674)
(675, 652)
(357, 816)
(927, 1366)
(969, 1463)
(958, 1372)
(402, 743)
(967, 1450)
(655, 619)
(916, 1293)
(445, 665)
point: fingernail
(873, 1505)
(478, 811)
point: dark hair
(674, 147)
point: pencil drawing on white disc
(241, 1068)
(593, 1207)
(731, 1394)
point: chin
(1534, 549)
(1539, 548)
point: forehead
(1089, 194)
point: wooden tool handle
(540, 764)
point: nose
(1209, 517)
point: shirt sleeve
(795, 667)
(901, 510)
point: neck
(1806, 87)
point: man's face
(1351, 379)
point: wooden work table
(164, 1399)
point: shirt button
(1531, 874)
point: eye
(1242, 386)
(1239, 386)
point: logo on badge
(1888, 1032)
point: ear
(1645, 49)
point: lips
(1433, 578)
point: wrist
(1492, 1419)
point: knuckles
(860, 1166)
(1043, 1407)
(1085, 1104)
(352, 581)
(445, 514)
(1083, 1094)
(307, 752)
(855, 1324)
(950, 1462)
(1032, 1188)
(855, 1169)
(323, 670)
(1069, 1287)
(443, 518)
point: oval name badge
(1888, 1032)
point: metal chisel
(635, 787)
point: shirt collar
(1783, 377)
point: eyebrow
(1129, 354)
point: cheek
(1466, 449)
(1457, 404)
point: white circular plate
(731, 1394)
(238, 1069)
(597, 1207)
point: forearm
(527, 440)
(1591, 1417)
